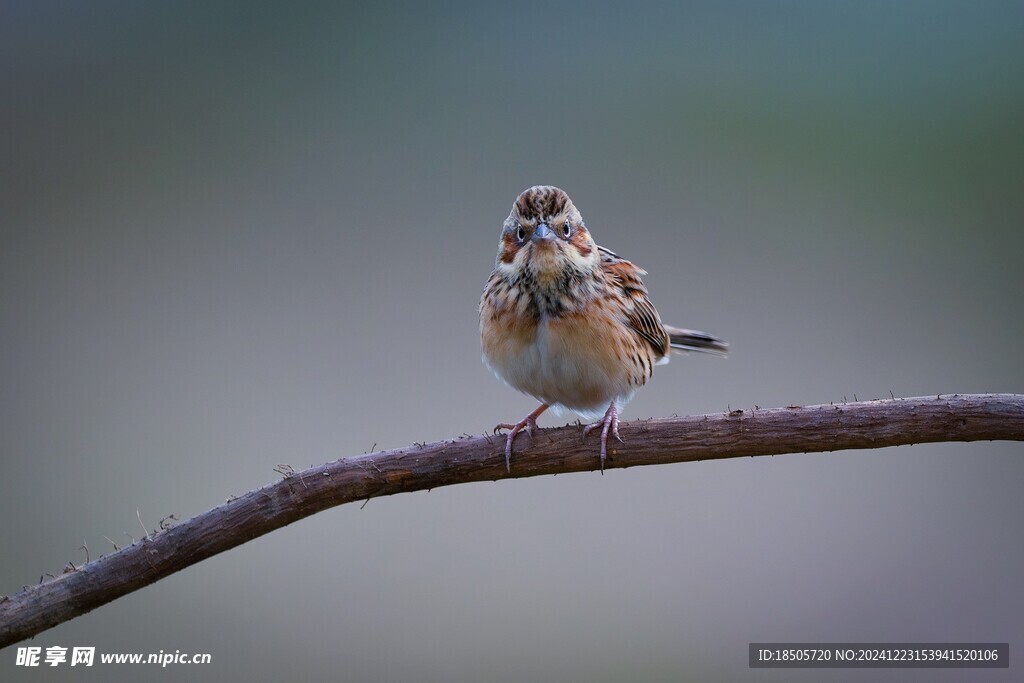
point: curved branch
(866, 424)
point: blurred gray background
(242, 234)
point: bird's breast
(574, 360)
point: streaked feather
(640, 312)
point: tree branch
(866, 424)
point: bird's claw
(524, 426)
(528, 424)
(609, 423)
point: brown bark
(866, 424)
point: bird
(569, 322)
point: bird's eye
(566, 229)
(521, 234)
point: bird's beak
(543, 233)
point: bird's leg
(610, 422)
(527, 424)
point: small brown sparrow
(569, 322)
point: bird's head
(545, 236)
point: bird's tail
(692, 340)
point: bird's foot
(609, 423)
(527, 424)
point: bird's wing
(641, 315)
